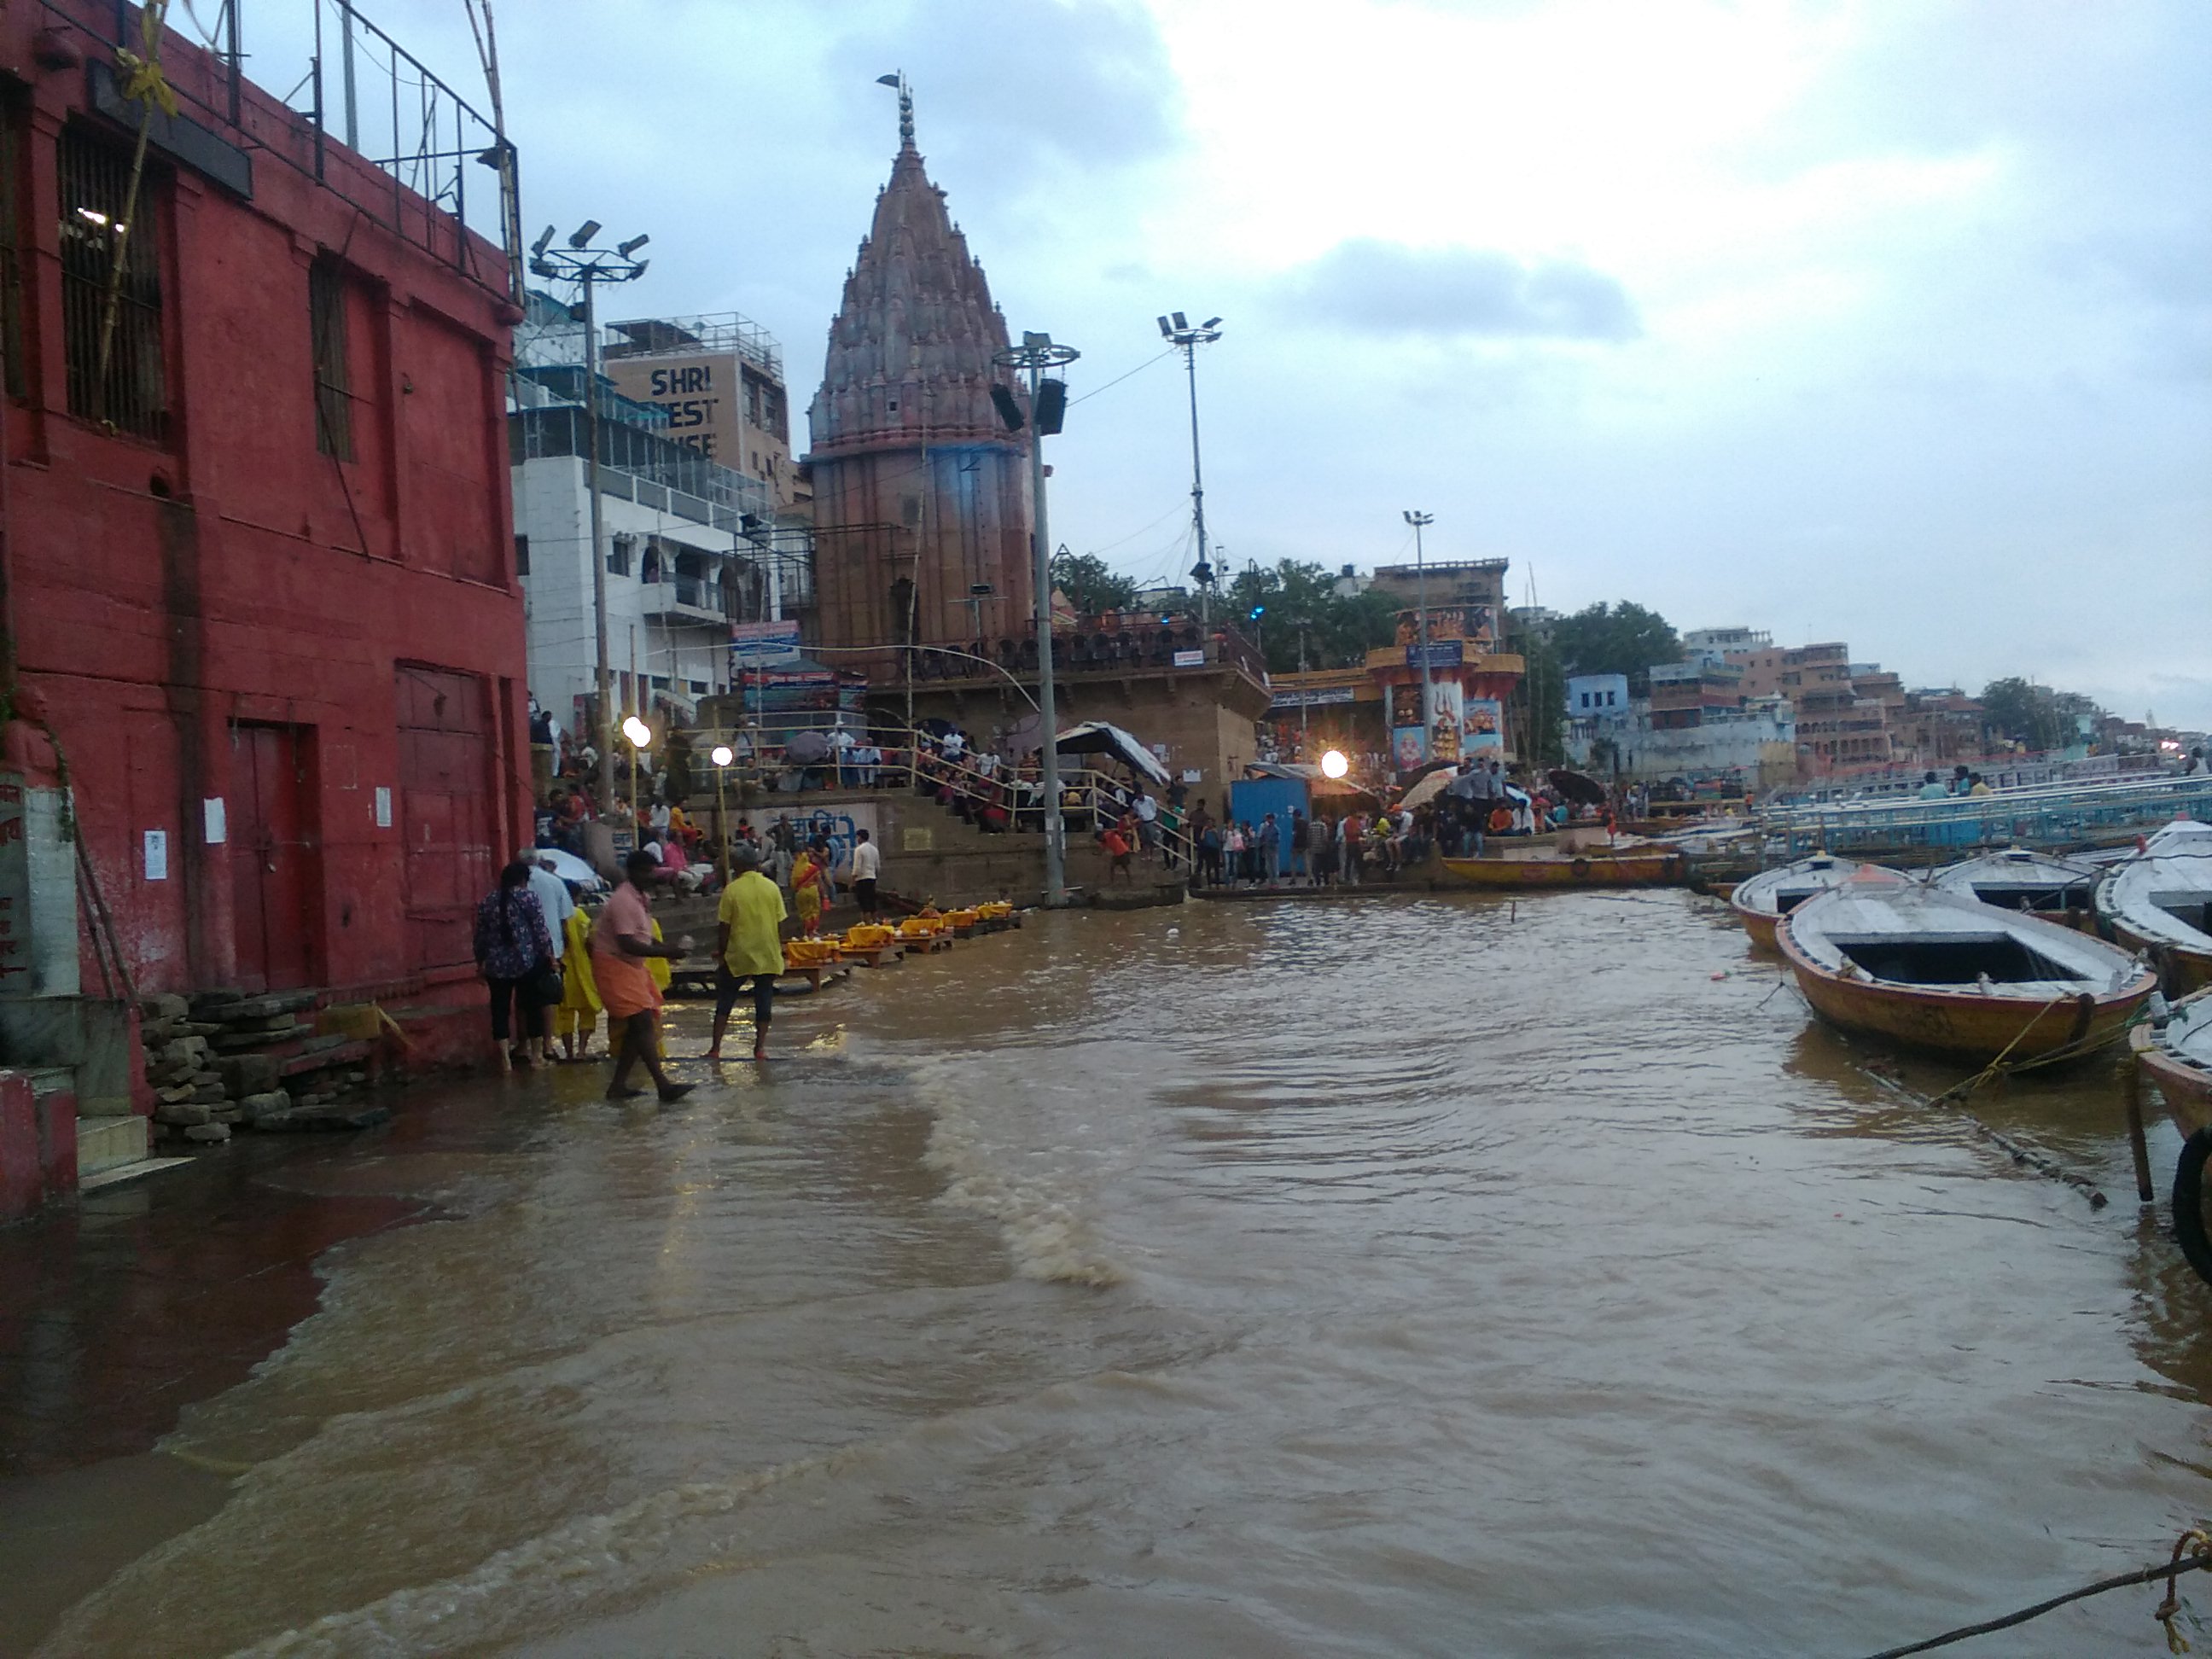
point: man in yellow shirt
(748, 945)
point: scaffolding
(685, 336)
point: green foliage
(2035, 714)
(1091, 586)
(1339, 631)
(1539, 715)
(1616, 638)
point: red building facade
(258, 556)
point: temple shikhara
(921, 500)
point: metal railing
(2044, 815)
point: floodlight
(581, 236)
(632, 246)
(537, 248)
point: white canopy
(1099, 737)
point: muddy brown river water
(1414, 1276)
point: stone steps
(108, 1143)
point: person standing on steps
(512, 945)
(749, 927)
(552, 896)
(810, 877)
(621, 946)
(867, 867)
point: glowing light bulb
(1334, 764)
(639, 733)
(723, 755)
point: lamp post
(1420, 521)
(1036, 354)
(721, 755)
(1176, 330)
(641, 740)
(587, 266)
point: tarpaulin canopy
(1319, 785)
(1101, 738)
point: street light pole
(1178, 332)
(587, 267)
(1421, 521)
(1037, 353)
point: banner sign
(1442, 653)
(1190, 659)
(762, 644)
(1484, 726)
(1406, 749)
(1326, 696)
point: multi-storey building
(689, 546)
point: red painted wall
(169, 598)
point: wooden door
(271, 859)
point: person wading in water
(621, 943)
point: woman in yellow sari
(578, 1016)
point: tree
(1610, 639)
(1290, 599)
(1091, 586)
(2035, 714)
(1539, 701)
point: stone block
(210, 1094)
(203, 1001)
(259, 1105)
(224, 1114)
(208, 1133)
(182, 1113)
(249, 1074)
(164, 1006)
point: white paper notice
(157, 855)
(383, 807)
(218, 827)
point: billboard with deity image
(1448, 699)
(1482, 726)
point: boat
(2158, 902)
(2176, 1054)
(1634, 866)
(1763, 900)
(1906, 960)
(2056, 888)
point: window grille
(97, 219)
(326, 324)
(11, 244)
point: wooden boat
(1637, 867)
(2159, 902)
(2177, 1056)
(1904, 960)
(1763, 900)
(2055, 889)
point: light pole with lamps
(1176, 330)
(1420, 521)
(1036, 354)
(587, 266)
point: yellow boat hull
(2186, 970)
(1759, 923)
(1581, 870)
(1955, 1020)
(2187, 1091)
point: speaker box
(1051, 406)
(1009, 412)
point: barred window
(326, 324)
(109, 247)
(17, 379)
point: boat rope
(2192, 1553)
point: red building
(260, 565)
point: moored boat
(2160, 903)
(1763, 900)
(1640, 867)
(2177, 1056)
(1906, 960)
(2060, 889)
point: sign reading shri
(700, 394)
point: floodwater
(1414, 1276)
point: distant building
(719, 380)
(1597, 696)
(689, 549)
(1700, 641)
(1473, 587)
(1693, 693)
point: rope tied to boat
(2192, 1553)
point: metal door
(447, 808)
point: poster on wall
(1405, 706)
(1447, 700)
(762, 645)
(1483, 726)
(1406, 748)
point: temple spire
(906, 106)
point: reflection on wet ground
(1240, 1280)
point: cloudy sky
(1889, 322)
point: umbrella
(1576, 787)
(805, 748)
(1432, 785)
(1099, 737)
(570, 868)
